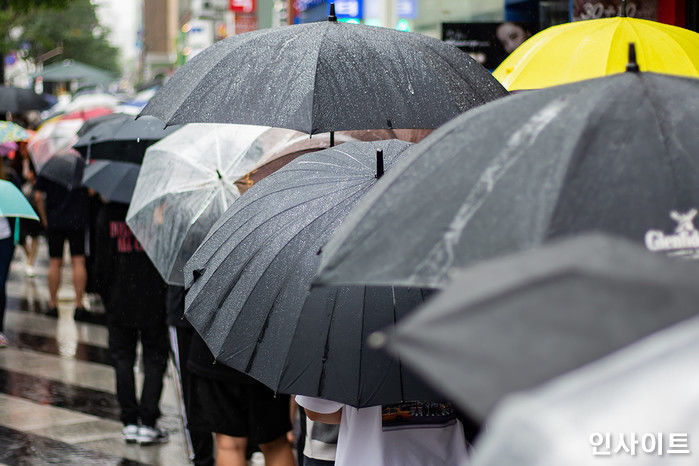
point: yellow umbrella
(598, 47)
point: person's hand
(290, 437)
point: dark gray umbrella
(249, 280)
(326, 76)
(65, 168)
(122, 138)
(115, 181)
(517, 321)
(17, 100)
(617, 154)
(92, 122)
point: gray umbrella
(18, 100)
(65, 168)
(648, 392)
(514, 322)
(617, 154)
(326, 76)
(249, 280)
(115, 181)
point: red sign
(242, 6)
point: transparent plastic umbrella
(189, 178)
(52, 138)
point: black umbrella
(122, 138)
(617, 154)
(115, 181)
(92, 122)
(249, 280)
(65, 168)
(326, 76)
(17, 100)
(517, 321)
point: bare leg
(79, 279)
(278, 452)
(230, 451)
(54, 280)
(31, 249)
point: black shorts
(57, 239)
(237, 410)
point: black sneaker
(81, 313)
(52, 312)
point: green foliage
(48, 24)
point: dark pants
(202, 441)
(7, 248)
(122, 347)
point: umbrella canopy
(122, 138)
(326, 76)
(595, 48)
(92, 122)
(647, 390)
(13, 203)
(86, 114)
(69, 70)
(7, 147)
(188, 180)
(65, 168)
(17, 100)
(115, 181)
(614, 154)
(514, 322)
(11, 132)
(53, 137)
(84, 102)
(250, 277)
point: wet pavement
(57, 389)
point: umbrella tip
(632, 65)
(379, 163)
(377, 340)
(622, 12)
(331, 15)
(220, 176)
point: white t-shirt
(409, 434)
(5, 231)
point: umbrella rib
(326, 348)
(361, 354)
(315, 78)
(257, 282)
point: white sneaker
(152, 435)
(130, 433)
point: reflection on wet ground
(57, 402)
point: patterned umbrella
(12, 132)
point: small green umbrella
(13, 203)
(12, 132)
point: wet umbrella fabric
(65, 168)
(616, 154)
(122, 138)
(646, 389)
(188, 180)
(53, 137)
(326, 76)
(514, 322)
(17, 100)
(13, 203)
(115, 181)
(249, 280)
(92, 122)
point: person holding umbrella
(63, 212)
(134, 296)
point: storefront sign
(241, 6)
(594, 9)
(348, 8)
(406, 9)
